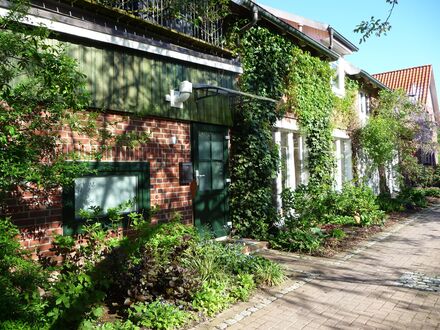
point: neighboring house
(419, 85)
(293, 152)
(157, 74)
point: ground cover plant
(163, 277)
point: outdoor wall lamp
(176, 98)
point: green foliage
(212, 298)
(296, 239)
(305, 213)
(375, 26)
(304, 79)
(254, 156)
(432, 192)
(266, 272)
(397, 129)
(157, 315)
(408, 199)
(388, 204)
(359, 203)
(378, 139)
(243, 287)
(39, 87)
(345, 113)
(311, 98)
(413, 198)
(20, 280)
(145, 277)
(337, 233)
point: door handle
(198, 176)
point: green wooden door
(210, 154)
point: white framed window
(338, 80)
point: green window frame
(72, 223)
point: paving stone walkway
(391, 281)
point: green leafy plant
(212, 298)
(337, 233)
(359, 202)
(432, 192)
(157, 315)
(243, 286)
(40, 86)
(392, 136)
(21, 280)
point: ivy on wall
(266, 59)
(311, 98)
(273, 67)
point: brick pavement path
(391, 281)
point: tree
(375, 25)
(40, 87)
(396, 130)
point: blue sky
(413, 40)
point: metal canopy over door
(210, 152)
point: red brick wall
(40, 219)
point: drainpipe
(330, 33)
(251, 23)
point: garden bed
(165, 277)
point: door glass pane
(204, 176)
(105, 191)
(218, 180)
(217, 146)
(204, 145)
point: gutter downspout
(330, 33)
(251, 23)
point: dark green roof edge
(364, 75)
(248, 4)
(347, 43)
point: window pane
(218, 180)
(204, 176)
(217, 146)
(105, 191)
(204, 145)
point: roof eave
(321, 49)
(365, 76)
(347, 43)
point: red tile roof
(415, 81)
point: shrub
(432, 192)
(388, 204)
(359, 203)
(266, 272)
(152, 266)
(337, 233)
(413, 198)
(295, 239)
(20, 281)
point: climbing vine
(311, 98)
(274, 67)
(266, 59)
